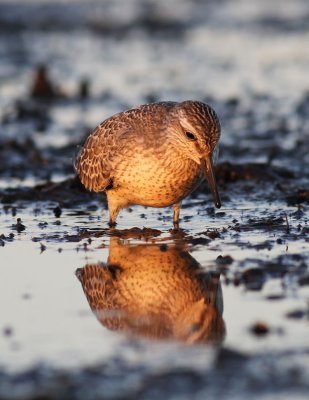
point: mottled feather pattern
(95, 162)
(203, 118)
(145, 155)
(110, 140)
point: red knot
(153, 155)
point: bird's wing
(110, 139)
(94, 164)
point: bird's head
(196, 132)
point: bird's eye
(190, 136)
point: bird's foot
(176, 225)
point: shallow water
(49, 319)
(248, 62)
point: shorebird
(153, 155)
(156, 291)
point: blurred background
(67, 65)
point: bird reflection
(155, 291)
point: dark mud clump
(42, 87)
(132, 233)
(228, 172)
(68, 193)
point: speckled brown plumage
(156, 292)
(153, 155)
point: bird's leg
(176, 211)
(113, 214)
(113, 208)
(112, 223)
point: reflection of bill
(156, 292)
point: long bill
(210, 176)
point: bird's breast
(156, 181)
